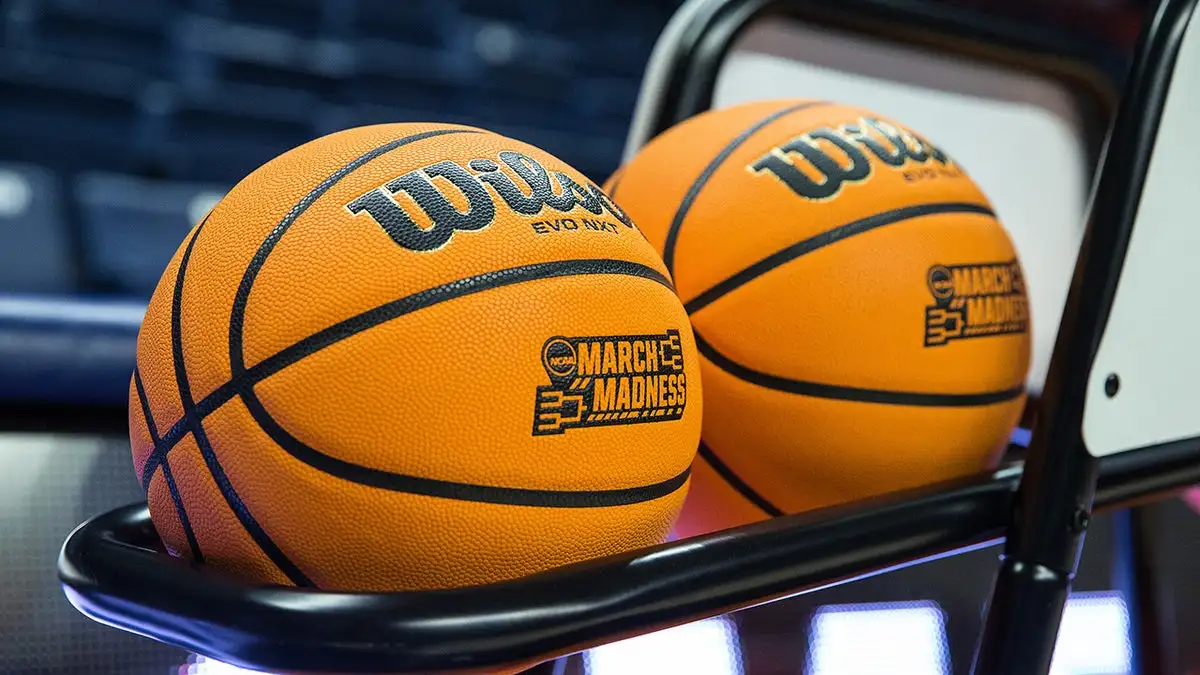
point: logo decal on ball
(600, 381)
(812, 164)
(971, 301)
(533, 189)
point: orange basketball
(860, 313)
(413, 356)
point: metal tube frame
(1055, 498)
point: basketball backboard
(1142, 390)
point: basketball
(860, 312)
(413, 356)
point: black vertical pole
(1042, 550)
(1054, 501)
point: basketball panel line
(443, 293)
(828, 238)
(693, 192)
(432, 487)
(196, 427)
(734, 481)
(168, 477)
(243, 386)
(238, 311)
(847, 393)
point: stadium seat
(143, 14)
(134, 36)
(35, 250)
(297, 75)
(623, 49)
(414, 22)
(403, 76)
(266, 55)
(229, 133)
(132, 226)
(66, 112)
(304, 18)
(69, 353)
(500, 108)
(607, 99)
(515, 10)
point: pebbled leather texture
(806, 239)
(350, 398)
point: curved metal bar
(113, 571)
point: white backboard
(1153, 331)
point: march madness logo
(971, 301)
(598, 381)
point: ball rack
(113, 570)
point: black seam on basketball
(145, 403)
(196, 427)
(439, 294)
(188, 532)
(616, 182)
(828, 238)
(243, 379)
(219, 397)
(735, 482)
(430, 487)
(843, 393)
(694, 191)
(184, 521)
(373, 317)
(238, 312)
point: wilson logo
(599, 381)
(818, 163)
(451, 197)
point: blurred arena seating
(36, 255)
(124, 121)
(204, 90)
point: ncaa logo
(559, 357)
(941, 282)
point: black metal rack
(1042, 550)
(690, 68)
(112, 570)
